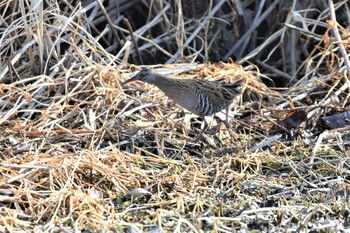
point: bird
(199, 96)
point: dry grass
(81, 153)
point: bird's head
(144, 75)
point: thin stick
(251, 29)
(126, 21)
(273, 69)
(195, 32)
(115, 33)
(334, 26)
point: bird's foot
(213, 130)
(232, 134)
(193, 140)
(229, 129)
(196, 139)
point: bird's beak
(134, 78)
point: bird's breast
(181, 94)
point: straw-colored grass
(80, 153)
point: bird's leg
(201, 132)
(228, 126)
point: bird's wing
(220, 92)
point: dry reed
(81, 153)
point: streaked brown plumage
(201, 97)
